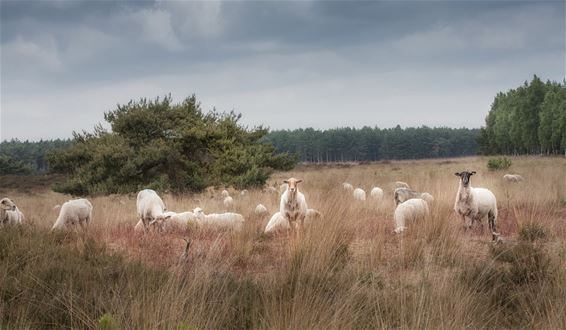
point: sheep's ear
(167, 217)
(299, 181)
(285, 181)
(473, 172)
(457, 173)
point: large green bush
(502, 163)
(168, 147)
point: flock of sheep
(472, 204)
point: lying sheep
(475, 204)
(348, 187)
(228, 220)
(9, 213)
(376, 193)
(278, 222)
(260, 210)
(150, 207)
(359, 194)
(401, 184)
(228, 203)
(73, 212)
(513, 178)
(404, 194)
(293, 205)
(410, 210)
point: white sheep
(73, 212)
(228, 220)
(228, 203)
(376, 193)
(278, 222)
(410, 210)
(347, 186)
(513, 178)
(312, 215)
(293, 205)
(244, 192)
(9, 213)
(359, 194)
(150, 207)
(225, 193)
(475, 204)
(401, 184)
(261, 210)
(404, 194)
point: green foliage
(25, 157)
(167, 147)
(501, 163)
(528, 120)
(371, 144)
(107, 322)
(9, 165)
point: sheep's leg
(492, 226)
(468, 222)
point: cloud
(155, 27)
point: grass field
(348, 271)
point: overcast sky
(281, 64)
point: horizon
(286, 66)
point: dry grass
(347, 271)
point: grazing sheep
(228, 203)
(75, 211)
(404, 194)
(359, 194)
(150, 207)
(219, 220)
(277, 222)
(410, 210)
(513, 178)
(348, 187)
(9, 213)
(225, 193)
(244, 192)
(293, 205)
(176, 221)
(158, 223)
(376, 193)
(401, 184)
(475, 204)
(261, 210)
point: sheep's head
(292, 184)
(7, 204)
(199, 213)
(465, 176)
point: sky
(284, 65)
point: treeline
(371, 144)
(530, 119)
(25, 157)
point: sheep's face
(292, 184)
(7, 204)
(199, 213)
(465, 177)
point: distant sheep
(225, 193)
(73, 212)
(475, 204)
(359, 194)
(244, 192)
(229, 203)
(9, 213)
(293, 205)
(348, 187)
(401, 184)
(228, 220)
(261, 210)
(376, 193)
(515, 178)
(410, 210)
(404, 194)
(150, 207)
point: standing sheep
(515, 178)
(75, 211)
(347, 186)
(359, 194)
(228, 203)
(260, 210)
(9, 213)
(376, 193)
(293, 205)
(410, 210)
(150, 207)
(225, 193)
(404, 194)
(277, 222)
(475, 204)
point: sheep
(475, 204)
(359, 194)
(225, 193)
(261, 210)
(243, 193)
(410, 210)
(9, 213)
(175, 221)
(278, 222)
(159, 223)
(311, 215)
(348, 187)
(150, 207)
(219, 220)
(404, 194)
(72, 212)
(513, 178)
(376, 193)
(401, 184)
(228, 203)
(293, 205)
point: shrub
(502, 163)
(532, 232)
